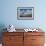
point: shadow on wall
(2, 26)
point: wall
(8, 13)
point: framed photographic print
(25, 13)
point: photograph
(25, 13)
